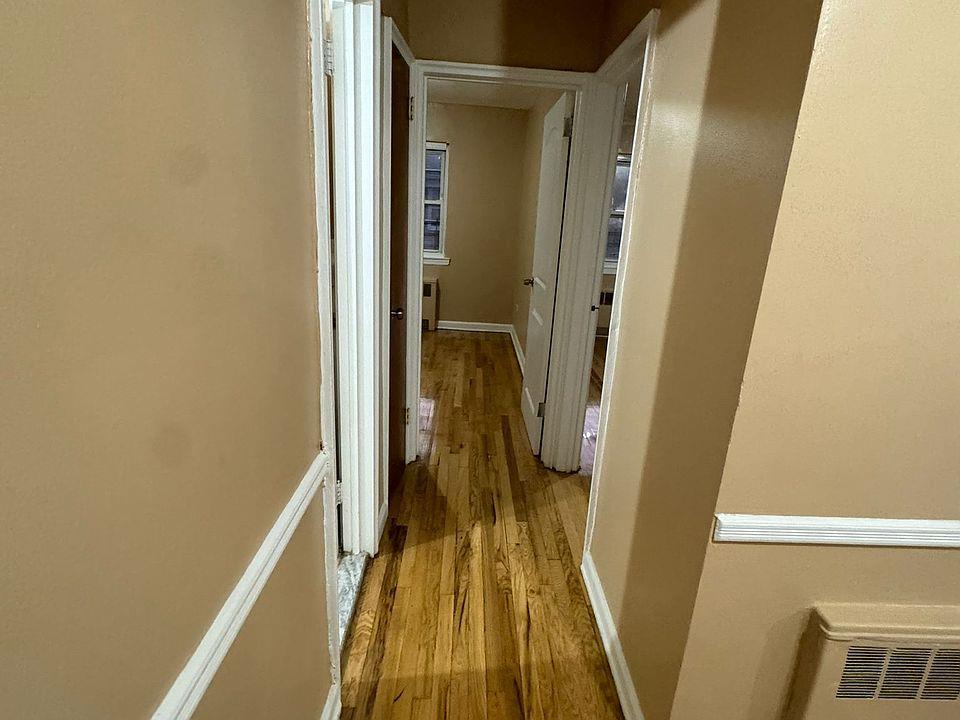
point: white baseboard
(469, 326)
(516, 348)
(187, 690)
(331, 708)
(611, 641)
(817, 530)
(466, 326)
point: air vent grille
(943, 680)
(900, 673)
(862, 672)
(904, 676)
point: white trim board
(187, 690)
(468, 326)
(817, 530)
(517, 350)
(319, 23)
(332, 707)
(626, 690)
(359, 308)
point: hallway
(474, 607)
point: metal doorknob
(397, 314)
(528, 281)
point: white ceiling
(459, 92)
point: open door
(395, 187)
(399, 198)
(554, 154)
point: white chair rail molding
(818, 530)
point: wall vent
(878, 662)
(900, 673)
(862, 672)
(943, 679)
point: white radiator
(431, 293)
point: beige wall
(485, 167)
(562, 35)
(851, 395)
(279, 666)
(726, 86)
(620, 17)
(158, 335)
(397, 10)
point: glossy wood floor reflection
(474, 606)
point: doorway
(494, 183)
(396, 239)
(611, 246)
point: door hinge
(410, 109)
(406, 416)
(541, 407)
(338, 491)
(568, 127)
(327, 57)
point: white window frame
(610, 266)
(437, 257)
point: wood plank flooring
(474, 606)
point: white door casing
(356, 144)
(390, 38)
(555, 151)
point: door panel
(554, 154)
(399, 187)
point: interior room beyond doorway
(612, 246)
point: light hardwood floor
(474, 606)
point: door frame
(578, 221)
(356, 60)
(391, 37)
(618, 69)
(362, 296)
(320, 33)
(581, 263)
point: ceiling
(460, 92)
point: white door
(546, 255)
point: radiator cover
(878, 662)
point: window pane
(433, 180)
(435, 159)
(620, 184)
(614, 233)
(431, 227)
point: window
(435, 204)
(615, 222)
